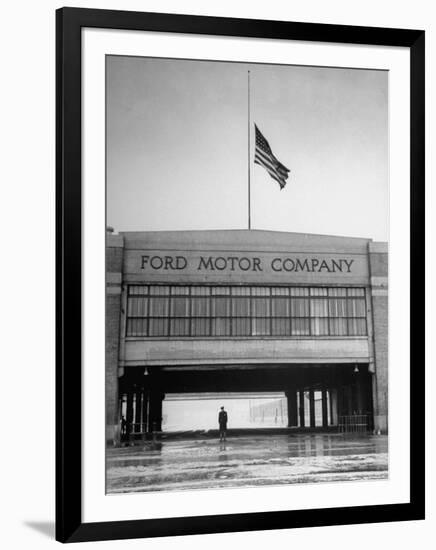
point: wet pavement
(246, 461)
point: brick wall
(378, 256)
(114, 264)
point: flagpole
(249, 159)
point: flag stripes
(264, 157)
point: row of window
(162, 310)
(244, 307)
(202, 290)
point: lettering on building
(279, 264)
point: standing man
(222, 421)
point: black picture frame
(69, 23)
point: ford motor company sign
(244, 267)
(247, 263)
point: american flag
(264, 156)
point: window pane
(137, 306)
(338, 307)
(300, 327)
(281, 327)
(179, 327)
(280, 291)
(319, 327)
(200, 327)
(137, 327)
(260, 327)
(220, 290)
(220, 327)
(240, 291)
(241, 327)
(159, 290)
(318, 307)
(200, 291)
(159, 307)
(177, 290)
(356, 292)
(318, 292)
(260, 291)
(356, 307)
(200, 307)
(135, 290)
(357, 327)
(240, 307)
(280, 307)
(337, 291)
(220, 307)
(338, 327)
(260, 307)
(299, 307)
(179, 307)
(158, 327)
(299, 291)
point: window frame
(313, 295)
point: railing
(132, 432)
(135, 429)
(355, 423)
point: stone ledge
(114, 241)
(378, 247)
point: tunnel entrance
(307, 397)
(182, 412)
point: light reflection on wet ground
(246, 461)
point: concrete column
(145, 409)
(325, 420)
(330, 407)
(129, 413)
(292, 408)
(155, 411)
(312, 408)
(138, 408)
(380, 406)
(301, 408)
(334, 407)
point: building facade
(246, 311)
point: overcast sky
(177, 147)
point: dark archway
(326, 391)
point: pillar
(334, 407)
(325, 420)
(155, 411)
(370, 401)
(312, 408)
(301, 410)
(291, 396)
(145, 410)
(129, 413)
(138, 409)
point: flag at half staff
(264, 156)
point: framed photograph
(240, 275)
